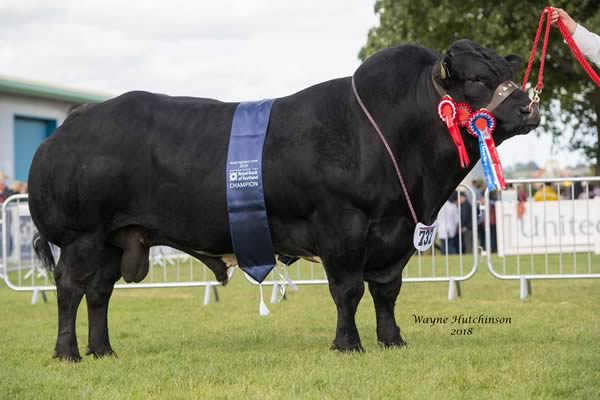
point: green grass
(171, 346)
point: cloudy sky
(227, 49)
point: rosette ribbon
(482, 124)
(463, 114)
(447, 111)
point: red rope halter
(572, 46)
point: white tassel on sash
(263, 311)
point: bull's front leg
(343, 255)
(347, 288)
(384, 298)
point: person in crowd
(545, 193)
(18, 187)
(588, 42)
(493, 234)
(466, 225)
(481, 223)
(521, 200)
(477, 186)
(448, 228)
(4, 190)
(578, 189)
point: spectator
(493, 237)
(586, 191)
(481, 223)
(521, 200)
(577, 190)
(545, 193)
(18, 187)
(588, 42)
(477, 188)
(466, 225)
(4, 191)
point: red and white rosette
(447, 109)
(463, 114)
(447, 112)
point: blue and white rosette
(481, 124)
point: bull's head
(473, 74)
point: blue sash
(248, 222)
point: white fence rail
(22, 271)
(544, 229)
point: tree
(569, 100)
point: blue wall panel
(29, 134)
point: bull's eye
(475, 81)
(476, 90)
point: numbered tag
(424, 236)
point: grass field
(170, 346)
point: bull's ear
(515, 62)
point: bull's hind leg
(97, 295)
(72, 273)
(384, 297)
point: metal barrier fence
(552, 232)
(451, 260)
(459, 255)
(21, 271)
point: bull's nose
(532, 116)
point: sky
(232, 50)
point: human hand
(566, 18)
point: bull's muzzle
(531, 114)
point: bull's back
(127, 161)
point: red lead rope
(572, 46)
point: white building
(29, 113)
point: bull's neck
(424, 151)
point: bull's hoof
(74, 358)
(223, 278)
(66, 350)
(100, 353)
(392, 344)
(389, 336)
(349, 348)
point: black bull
(143, 169)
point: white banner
(547, 227)
(20, 230)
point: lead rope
(547, 12)
(389, 150)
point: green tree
(570, 98)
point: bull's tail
(43, 251)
